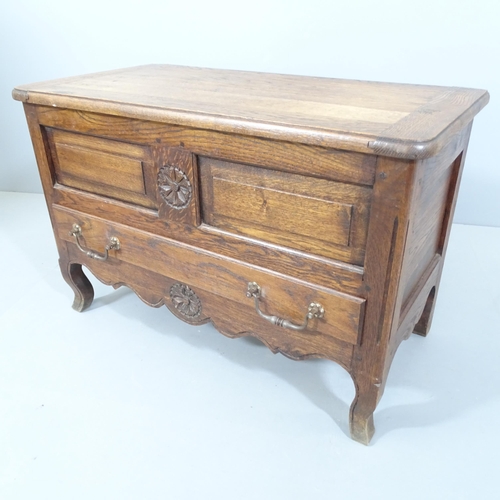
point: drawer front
(318, 216)
(226, 278)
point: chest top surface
(399, 120)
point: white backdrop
(439, 42)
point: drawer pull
(114, 244)
(314, 310)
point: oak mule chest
(311, 213)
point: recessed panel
(314, 215)
(102, 166)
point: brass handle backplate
(314, 310)
(114, 244)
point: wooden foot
(362, 428)
(424, 323)
(368, 393)
(79, 283)
(361, 420)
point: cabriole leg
(75, 277)
(368, 393)
(361, 418)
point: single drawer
(319, 216)
(281, 295)
(107, 167)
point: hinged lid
(399, 120)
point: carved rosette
(185, 301)
(175, 188)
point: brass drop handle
(314, 310)
(114, 244)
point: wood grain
(277, 212)
(284, 156)
(321, 190)
(111, 168)
(294, 211)
(437, 182)
(326, 272)
(177, 171)
(417, 286)
(385, 245)
(343, 114)
(152, 288)
(227, 278)
(417, 136)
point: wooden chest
(310, 213)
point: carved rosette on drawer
(185, 301)
(177, 185)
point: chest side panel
(435, 187)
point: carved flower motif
(185, 301)
(175, 187)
